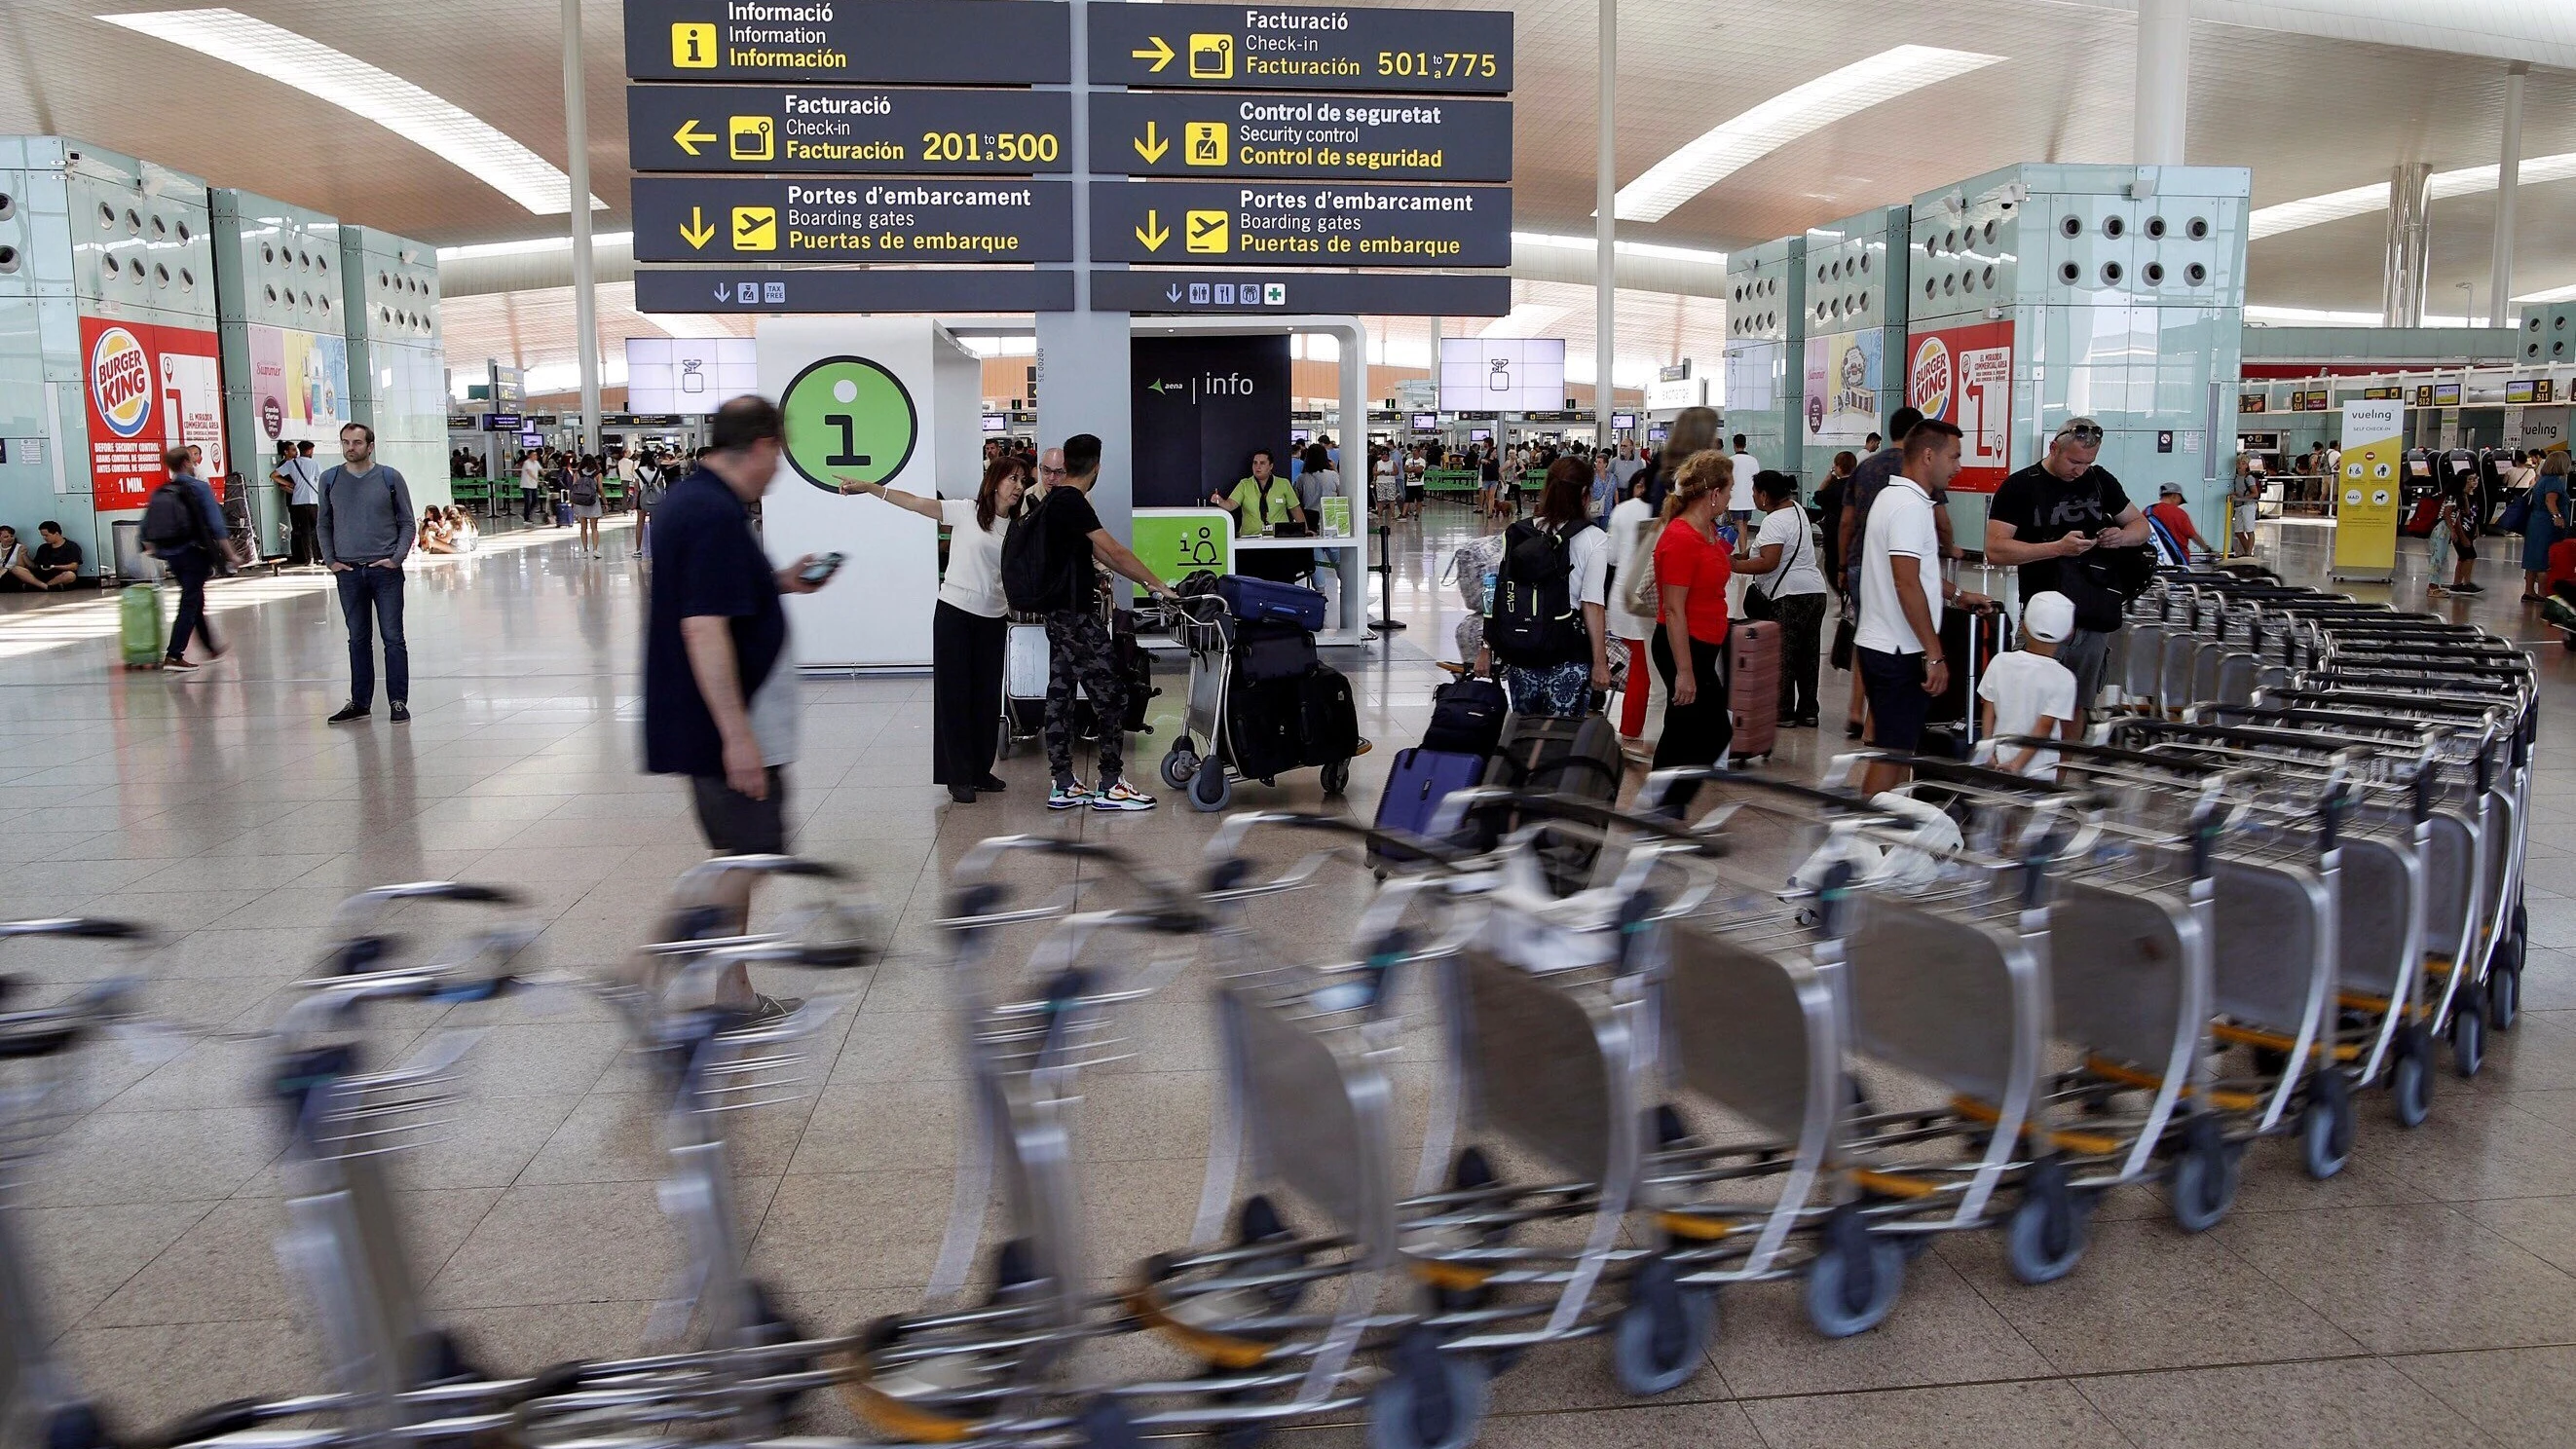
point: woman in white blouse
(970, 627)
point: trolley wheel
(1853, 1282)
(2326, 1124)
(1432, 1400)
(2045, 1238)
(2504, 992)
(1178, 766)
(1258, 1222)
(2410, 1076)
(1337, 777)
(1003, 746)
(2469, 1033)
(1209, 789)
(2202, 1178)
(1663, 1331)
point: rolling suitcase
(1024, 683)
(1135, 666)
(1973, 640)
(1467, 718)
(1753, 687)
(1421, 779)
(138, 626)
(1267, 651)
(1554, 755)
(1251, 598)
(1262, 724)
(1328, 718)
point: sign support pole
(1083, 363)
(1605, 194)
(585, 289)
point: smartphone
(820, 571)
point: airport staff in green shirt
(1270, 499)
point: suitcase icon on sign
(1211, 57)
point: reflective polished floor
(2423, 1297)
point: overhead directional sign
(1212, 223)
(1358, 137)
(921, 42)
(854, 289)
(1395, 295)
(761, 129)
(851, 219)
(1270, 47)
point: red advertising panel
(149, 387)
(1963, 375)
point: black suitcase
(1552, 755)
(1269, 651)
(1330, 715)
(1467, 718)
(1263, 720)
(1135, 666)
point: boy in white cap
(2027, 692)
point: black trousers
(1802, 625)
(965, 694)
(306, 547)
(190, 568)
(1696, 733)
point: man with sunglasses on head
(2045, 519)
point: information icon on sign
(1204, 143)
(752, 138)
(1211, 57)
(693, 45)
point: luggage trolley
(1204, 624)
(2384, 836)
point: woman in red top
(1691, 572)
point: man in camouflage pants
(1078, 650)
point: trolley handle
(2003, 781)
(1660, 783)
(78, 928)
(1463, 805)
(1168, 909)
(1231, 870)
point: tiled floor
(2423, 1297)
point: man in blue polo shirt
(720, 686)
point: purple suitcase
(1420, 780)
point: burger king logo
(120, 381)
(1928, 381)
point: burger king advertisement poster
(1845, 371)
(1963, 375)
(149, 388)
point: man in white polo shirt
(1897, 648)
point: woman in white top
(1786, 585)
(1631, 521)
(970, 628)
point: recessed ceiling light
(2359, 200)
(425, 120)
(1793, 113)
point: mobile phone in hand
(820, 571)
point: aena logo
(120, 378)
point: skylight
(2360, 200)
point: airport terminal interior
(1414, 1060)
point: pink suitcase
(1753, 687)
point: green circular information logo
(848, 418)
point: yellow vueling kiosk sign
(2368, 493)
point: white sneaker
(1122, 796)
(1069, 797)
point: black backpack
(171, 520)
(1533, 619)
(1031, 581)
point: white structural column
(2409, 236)
(2163, 99)
(585, 289)
(2508, 177)
(1605, 266)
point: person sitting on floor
(433, 536)
(54, 565)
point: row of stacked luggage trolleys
(1513, 1111)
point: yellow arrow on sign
(1153, 233)
(1160, 55)
(1152, 148)
(697, 233)
(689, 136)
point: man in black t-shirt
(58, 559)
(2051, 514)
(1078, 652)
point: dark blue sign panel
(851, 42)
(851, 219)
(1344, 137)
(1294, 48)
(1216, 223)
(761, 129)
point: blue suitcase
(1420, 780)
(1260, 599)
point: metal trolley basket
(1205, 626)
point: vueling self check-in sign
(857, 219)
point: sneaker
(177, 665)
(402, 712)
(1068, 795)
(2468, 588)
(1122, 796)
(962, 794)
(991, 785)
(766, 1009)
(349, 712)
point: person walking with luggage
(1547, 616)
(183, 527)
(970, 627)
(1692, 571)
(1897, 646)
(1050, 566)
(1787, 587)
(300, 478)
(721, 695)
(366, 529)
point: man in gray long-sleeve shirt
(366, 529)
